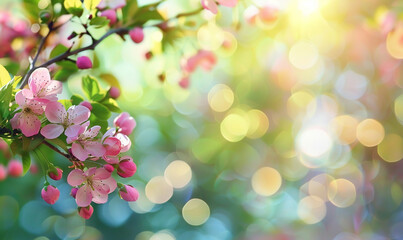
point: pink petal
(98, 197)
(27, 93)
(119, 119)
(109, 133)
(127, 126)
(111, 159)
(55, 112)
(101, 173)
(54, 87)
(210, 5)
(124, 141)
(90, 172)
(92, 132)
(100, 187)
(228, 3)
(111, 182)
(78, 114)
(29, 124)
(20, 99)
(96, 149)
(15, 121)
(84, 196)
(35, 106)
(79, 152)
(112, 146)
(76, 177)
(39, 79)
(52, 131)
(72, 131)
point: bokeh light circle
(234, 127)
(196, 212)
(303, 55)
(311, 209)
(178, 174)
(220, 98)
(266, 181)
(370, 132)
(391, 148)
(341, 193)
(158, 190)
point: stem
(56, 150)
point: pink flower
(86, 104)
(109, 167)
(41, 87)
(96, 183)
(204, 59)
(85, 144)
(15, 168)
(50, 194)
(129, 193)
(125, 141)
(62, 120)
(112, 4)
(111, 15)
(114, 92)
(127, 167)
(73, 192)
(84, 62)
(86, 212)
(56, 175)
(112, 146)
(137, 34)
(27, 120)
(3, 172)
(211, 5)
(125, 123)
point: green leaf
(63, 74)
(111, 80)
(59, 49)
(66, 103)
(68, 65)
(90, 86)
(99, 122)
(100, 111)
(6, 93)
(129, 10)
(26, 162)
(91, 4)
(4, 76)
(99, 22)
(16, 146)
(57, 141)
(112, 105)
(74, 7)
(31, 8)
(76, 99)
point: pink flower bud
(129, 193)
(15, 168)
(137, 34)
(85, 212)
(86, 104)
(125, 123)
(184, 82)
(73, 192)
(109, 14)
(114, 92)
(3, 172)
(56, 175)
(109, 167)
(112, 146)
(50, 194)
(84, 62)
(33, 169)
(4, 149)
(127, 167)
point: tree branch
(56, 150)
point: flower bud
(45, 16)
(112, 146)
(3, 172)
(114, 92)
(50, 194)
(125, 123)
(15, 168)
(85, 212)
(148, 55)
(184, 82)
(73, 192)
(5, 149)
(56, 174)
(129, 193)
(72, 35)
(127, 167)
(109, 167)
(33, 169)
(111, 15)
(84, 62)
(137, 34)
(86, 104)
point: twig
(56, 150)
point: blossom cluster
(40, 112)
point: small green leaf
(6, 93)
(112, 105)
(59, 49)
(66, 103)
(16, 146)
(100, 111)
(90, 86)
(129, 10)
(4, 76)
(26, 162)
(99, 122)
(74, 7)
(76, 99)
(58, 142)
(91, 4)
(99, 22)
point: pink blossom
(125, 142)
(129, 193)
(114, 92)
(15, 168)
(3, 172)
(111, 15)
(56, 174)
(73, 192)
(27, 120)
(127, 167)
(137, 34)
(211, 5)
(112, 4)
(86, 104)
(109, 167)
(96, 183)
(86, 212)
(112, 146)
(204, 59)
(85, 144)
(84, 62)
(41, 87)
(50, 194)
(62, 120)
(125, 123)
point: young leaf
(76, 99)
(59, 49)
(5, 96)
(74, 7)
(129, 10)
(99, 22)
(100, 111)
(90, 86)
(58, 142)
(111, 80)
(112, 105)
(91, 4)
(4, 76)
(26, 162)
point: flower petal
(29, 124)
(55, 112)
(78, 114)
(84, 196)
(210, 5)
(52, 131)
(39, 79)
(228, 3)
(54, 87)
(72, 131)
(79, 152)
(98, 197)
(76, 177)
(111, 182)
(101, 173)
(96, 149)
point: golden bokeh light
(341, 193)
(345, 127)
(391, 148)
(162, 235)
(196, 212)
(234, 127)
(318, 186)
(394, 42)
(220, 98)
(370, 132)
(303, 55)
(210, 36)
(311, 209)
(158, 190)
(178, 174)
(314, 142)
(258, 124)
(266, 181)
(398, 108)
